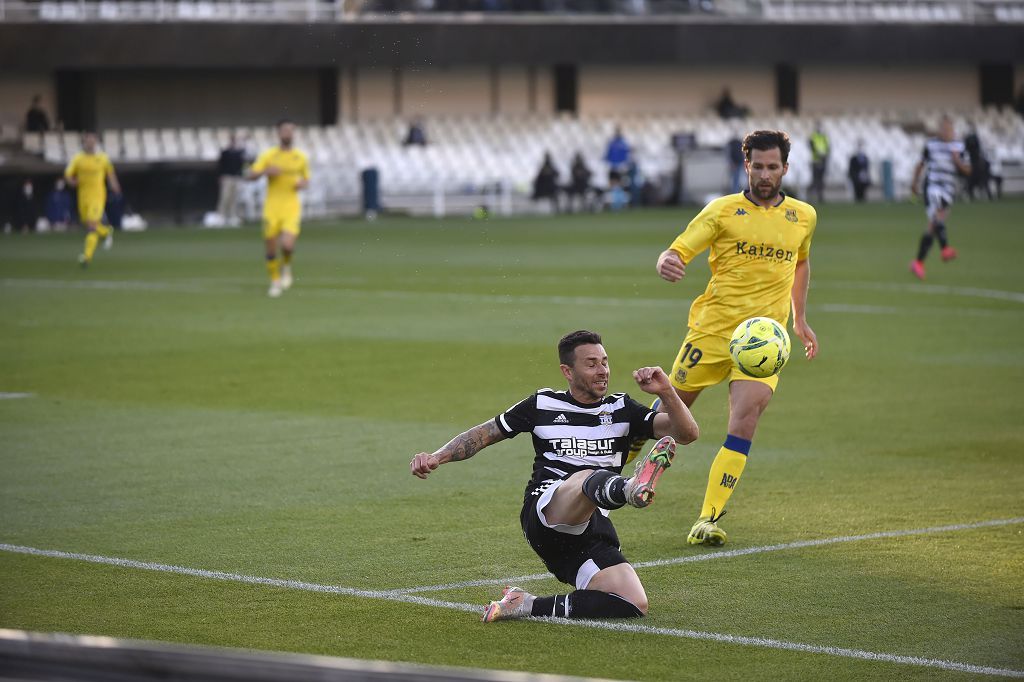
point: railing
(474, 11)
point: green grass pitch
(180, 416)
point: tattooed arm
(463, 446)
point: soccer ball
(759, 347)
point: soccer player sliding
(580, 437)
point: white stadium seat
(471, 154)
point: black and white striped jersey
(569, 436)
(940, 171)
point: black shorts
(566, 554)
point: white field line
(236, 577)
(926, 289)
(768, 643)
(15, 396)
(709, 556)
(761, 642)
(199, 287)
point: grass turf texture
(182, 417)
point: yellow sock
(725, 473)
(91, 240)
(286, 258)
(274, 268)
(102, 230)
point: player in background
(90, 171)
(581, 437)
(942, 159)
(759, 241)
(287, 172)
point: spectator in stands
(25, 213)
(859, 173)
(36, 120)
(819, 162)
(416, 135)
(981, 170)
(58, 206)
(735, 157)
(545, 185)
(727, 107)
(579, 183)
(229, 168)
(617, 155)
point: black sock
(940, 234)
(606, 489)
(585, 604)
(926, 243)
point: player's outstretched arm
(801, 282)
(671, 267)
(675, 420)
(463, 446)
(963, 167)
(917, 178)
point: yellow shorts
(275, 224)
(704, 361)
(90, 211)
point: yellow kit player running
(90, 171)
(759, 243)
(287, 171)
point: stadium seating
(829, 11)
(473, 155)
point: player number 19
(692, 354)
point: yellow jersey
(91, 171)
(282, 195)
(753, 256)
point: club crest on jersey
(680, 375)
(791, 215)
(605, 418)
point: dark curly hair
(764, 140)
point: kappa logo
(740, 211)
(561, 419)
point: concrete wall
(672, 89)
(429, 90)
(839, 88)
(200, 97)
(151, 99)
(400, 42)
(370, 92)
(374, 90)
